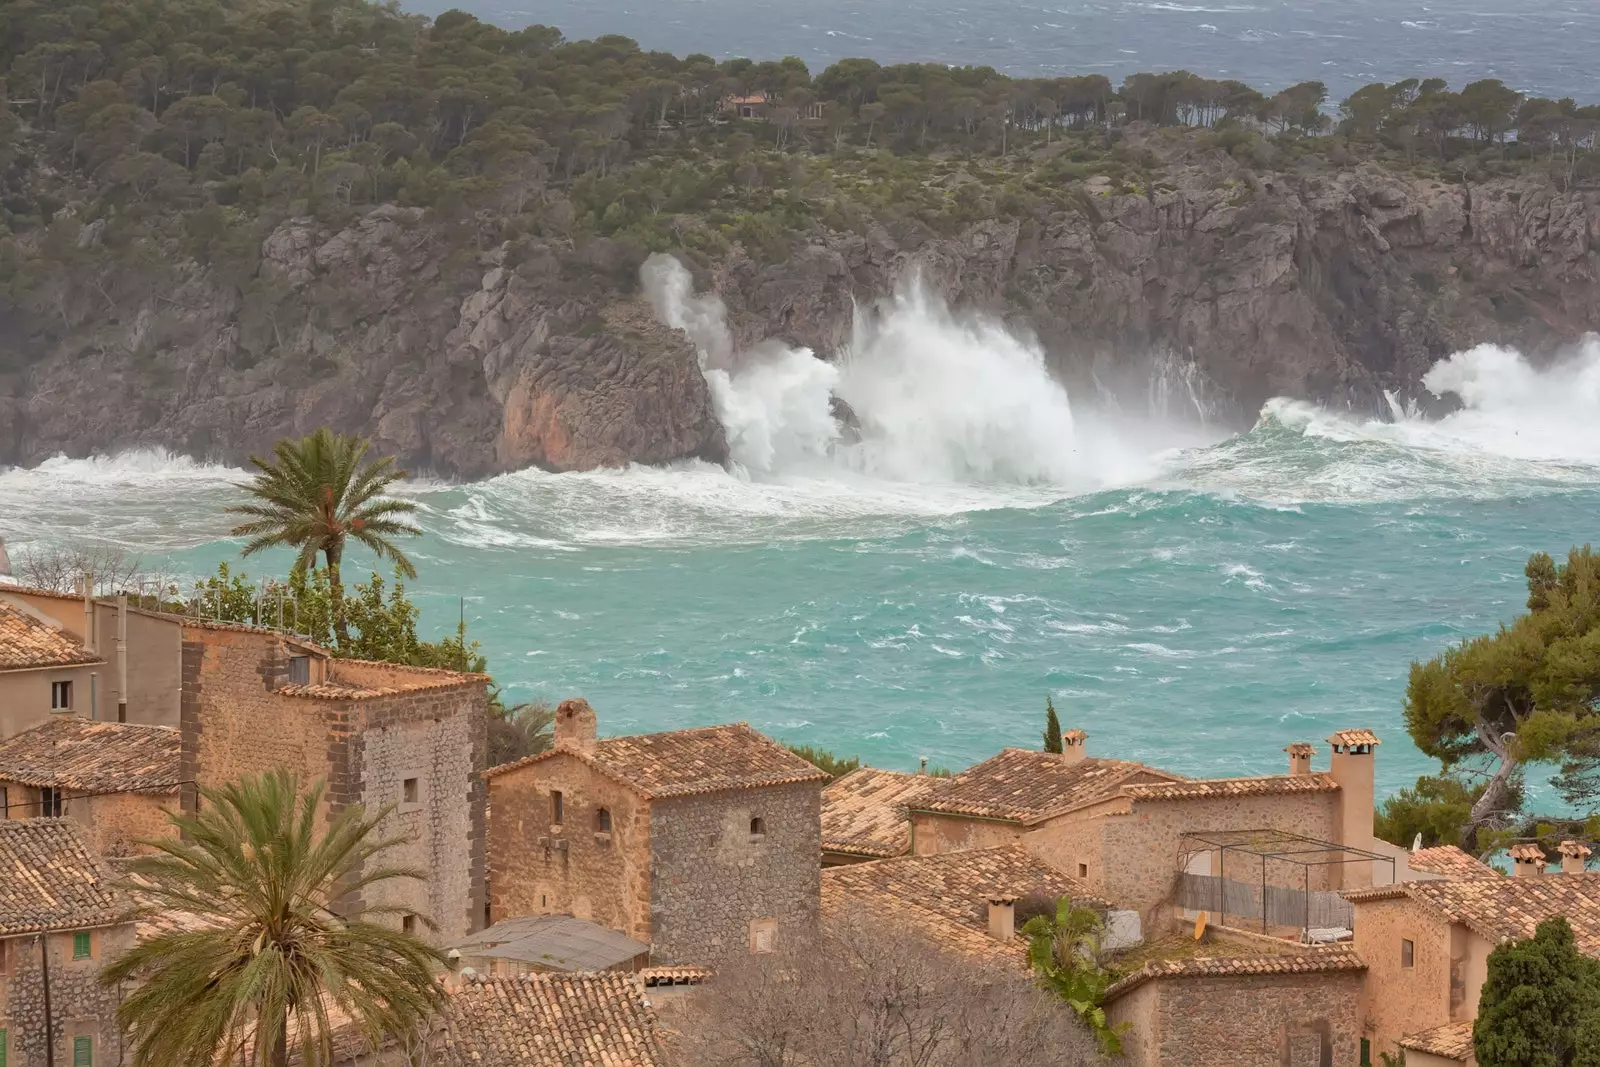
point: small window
(49, 803)
(408, 924)
(1083, 870)
(5, 802)
(60, 696)
(5, 959)
(408, 791)
(763, 935)
(602, 820)
(758, 827)
(1408, 953)
(299, 670)
(82, 945)
(83, 1052)
(557, 809)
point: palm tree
(1064, 949)
(262, 956)
(316, 493)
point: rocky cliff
(1325, 284)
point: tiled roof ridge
(1311, 961)
(948, 799)
(28, 642)
(1491, 906)
(1254, 785)
(1452, 1041)
(1451, 861)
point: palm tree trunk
(279, 1054)
(336, 589)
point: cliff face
(1329, 286)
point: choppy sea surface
(1544, 47)
(1192, 596)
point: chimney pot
(1574, 857)
(1352, 769)
(1527, 861)
(576, 723)
(1074, 746)
(1300, 758)
(1002, 918)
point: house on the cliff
(699, 843)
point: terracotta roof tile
(1233, 787)
(1346, 738)
(1527, 852)
(93, 757)
(1575, 849)
(685, 762)
(28, 641)
(1506, 908)
(49, 880)
(1301, 748)
(948, 894)
(864, 813)
(1453, 1041)
(1022, 785)
(551, 1020)
(675, 975)
(1449, 861)
(1307, 961)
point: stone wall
(79, 1005)
(538, 867)
(932, 834)
(1403, 1000)
(1281, 1020)
(712, 878)
(112, 822)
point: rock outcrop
(1332, 286)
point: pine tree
(1540, 1003)
(1052, 727)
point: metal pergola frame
(1279, 845)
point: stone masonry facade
(715, 886)
(366, 747)
(80, 1006)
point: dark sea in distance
(1541, 47)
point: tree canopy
(1540, 1003)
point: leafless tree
(62, 567)
(865, 994)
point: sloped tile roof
(1575, 849)
(1025, 786)
(1527, 852)
(685, 762)
(864, 813)
(551, 1020)
(1232, 787)
(93, 757)
(1449, 861)
(49, 880)
(1453, 1041)
(1506, 908)
(27, 641)
(948, 894)
(1305, 961)
(1354, 737)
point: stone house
(550, 1020)
(865, 815)
(1238, 999)
(136, 673)
(44, 670)
(962, 900)
(117, 781)
(376, 734)
(699, 842)
(60, 920)
(1427, 945)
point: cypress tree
(1540, 1004)
(1052, 727)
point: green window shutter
(3, 1044)
(83, 1052)
(80, 945)
(1366, 1053)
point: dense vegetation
(123, 114)
(1540, 1004)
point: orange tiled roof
(1453, 1041)
(1306, 961)
(93, 757)
(1232, 787)
(1025, 786)
(948, 894)
(1354, 737)
(686, 762)
(551, 1020)
(1449, 861)
(27, 641)
(1506, 908)
(864, 813)
(1301, 748)
(49, 880)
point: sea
(1194, 595)
(1541, 47)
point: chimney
(575, 725)
(1300, 758)
(1527, 861)
(1574, 857)
(1074, 746)
(1352, 769)
(1002, 918)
